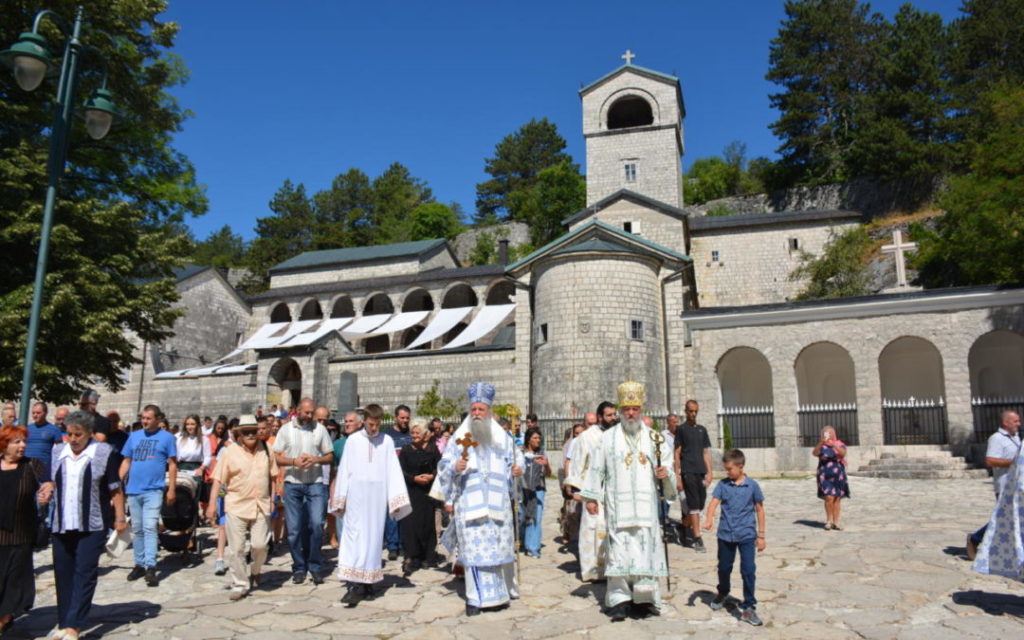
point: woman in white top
(193, 451)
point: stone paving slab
(896, 571)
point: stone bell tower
(633, 126)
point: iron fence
(748, 427)
(553, 428)
(812, 418)
(987, 412)
(915, 421)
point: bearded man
(477, 490)
(593, 544)
(624, 477)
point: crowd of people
(303, 480)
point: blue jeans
(531, 532)
(304, 508)
(748, 568)
(979, 535)
(662, 511)
(76, 563)
(145, 512)
(392, 538)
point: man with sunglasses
(247, 471)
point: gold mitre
(631, 394)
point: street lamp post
(31, 62)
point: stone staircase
(920, 465)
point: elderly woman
(89, 502)
(419, 466)
(22, 480)
(832, 483)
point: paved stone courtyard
(897, 571)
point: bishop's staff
(658, 438)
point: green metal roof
(657, 75)
(328, 257)
(594, 244)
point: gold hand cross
(466, 441)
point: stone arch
(377, 304)
(418, 300)
(310, 310)
(996, 364)
(744, 378)
(284, 383)
(454, 333)
(411, 334)
(280, 313)
(629, 110)
(825, 375)
(343, 308)
(911, 367)
(459, 294)
(500, 292)
(377, 344)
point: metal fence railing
(812, 418)
(748, 427)
(553, 428)
(988, 411)
(915, 421)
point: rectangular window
(542, 333)
(630, 172)
(714, 255)
(794, 244)
(636, 330)
(627, 227)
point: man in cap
(247, 472)
(477, 490)
(624, 477)
(369, 486)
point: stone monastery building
(636, 288)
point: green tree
(343, 212)
(285, 233)
(396, 193)
(485, 250)
(518, 160)
(433, 404)
(119, 219)
(980, 239)
(559, 192)
(708, 179)
(839, 271)
(222, 248)
(824, 58)
(433, 220)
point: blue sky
(305, 90)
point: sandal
(829, 526)
(836, 527)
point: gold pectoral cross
(629, 459)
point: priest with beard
(624, 478)
(477, 491)
(368, 487)
(593, 547)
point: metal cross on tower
(628, 56)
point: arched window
(827, 393)
(745, 381)
(418, 300)
(461, 295)
(378, 304)
(343, 308)
(913, 405)
(280, 313)
(630, 111)
(503, 292)
(311, 311)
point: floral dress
(831, 474)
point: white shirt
(75, 468)
(293, 440)
(1003, 446)
(194, 450)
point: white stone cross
(628, 56)
(899, 248)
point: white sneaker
(219, 568)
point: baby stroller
(178, 528)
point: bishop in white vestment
(369, 486)
(477, 491)
(624, 477)
(593, 538)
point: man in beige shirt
(247, 473)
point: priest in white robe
(368, 487)
(593, 536)
(477, 491)
(625, 477)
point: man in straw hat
(247, 472)
(624, 477)
(475, 478)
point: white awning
(440, 325)
(294, 329)
(170, 374)
(262, 337)
(485, 321)
(365, 325)
(235, 368)
(401, 322)
(328, 325)
(203, 371)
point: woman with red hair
(21, 479)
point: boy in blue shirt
(742, 503)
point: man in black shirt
(100, 425)
(693, 469)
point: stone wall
(951, 332)
(335, 273)
(647, 223)
(754, 263)
(518, 234)
(587, 302)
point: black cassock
(419, 538)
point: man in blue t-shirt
(42, 435)
(148, 454)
